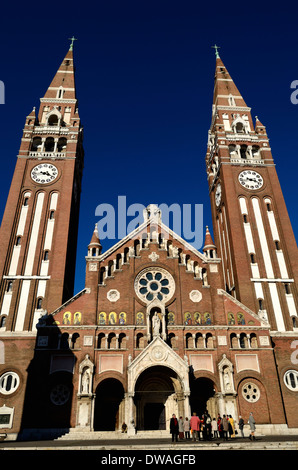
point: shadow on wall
(49, 389)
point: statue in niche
(156, 325)
(227, 380)
(86, 381)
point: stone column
(129, 415)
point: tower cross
(73, 39)
(216, 50)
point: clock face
(250, 179)
(218, 194)
(44, 173)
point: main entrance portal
(158, 394)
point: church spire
(63, 84)
(226, 92)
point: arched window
(243, 341)
(18, 241)
(53, 120)
(188, 340)
(36, 144)
(199, 341)
(110, 268)
(112, 341)
(253, 340)
(172, 340)
(234, 341)
(140, 341)
(49, 144)
(255, 151)
(122, 341)
(61, 145)
(46, 255)
(9, 286)
(39, 303)
(240, 129)
(243, 150)
(209, 341)
(233, 151)
(118, 261)
(101, 341)
(126, 252)
(101, 275)
(75, 341)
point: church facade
(160, 327)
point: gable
(238, 314)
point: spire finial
(216, 50)
(73, 39)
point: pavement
(281, 442)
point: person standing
(241, 425)
(174, 428)
(252, 424)
(225, 426)
(186, 427)
(208, 427)
(181, 429)
(219, 426)
(195, 426)
(232, 423)
(214, 427)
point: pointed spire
(260, 128)
(225, 91)
(208, 240)
(95, 238)
(63, 84)
(209, 247)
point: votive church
(160, 327)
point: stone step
(79, 434)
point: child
(214, 428)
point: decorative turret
(209, 248)
(94, 247)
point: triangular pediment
(153, 222)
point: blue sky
(144, 76)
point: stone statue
(86, 381)
(155, 324)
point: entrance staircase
(80, 434)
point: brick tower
(39, 229)
(252, 229)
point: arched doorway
(158, 394)
(109, 405)
(202, 396)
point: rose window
(154, 283)
(60, 394)
(251, 392)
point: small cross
(216, 50)
(73, 39)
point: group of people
(205, 428)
